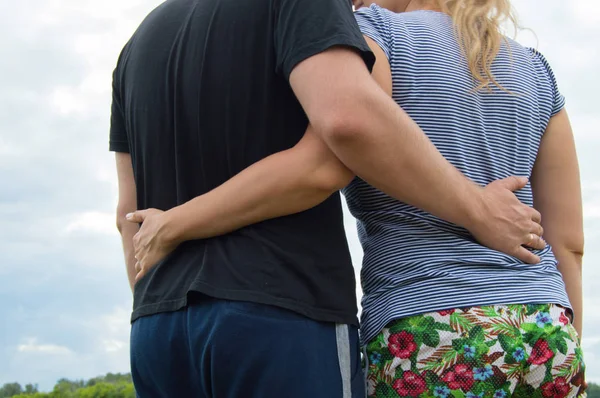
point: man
(206, 88)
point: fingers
(140, 270)
(514, 183)
(139, 276)
(536, 216)
(536, 229)
(534, 238)
(535, 242)
(526, 256)
(137, 216)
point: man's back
(200, 93)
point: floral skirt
(493, 351)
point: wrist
(172, 230)
(473, 210)
(189, 221)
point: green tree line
(113, 385)
(593, 391)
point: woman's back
(415, 262)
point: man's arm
(371, 135)
(377, 140)
(557, 195)
(127, 203)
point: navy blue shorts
(229, 349)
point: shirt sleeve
(118, 141)
(305, 28)
(558, 100)
(375, 24)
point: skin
(127, 203)
(354, 125)
(392, 5)
(557, 195)
(398, 5)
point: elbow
(349, 117)
(333, 176)
(322, 169)
(340, 128)
(346, 121)
(576, 247)
(573, 250)
(578, 255)
(121, 220)
(120, 223)
(340, 133)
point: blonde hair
(478, 27)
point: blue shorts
(230, 349)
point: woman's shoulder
(372, 14)
(377, 12)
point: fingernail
(129, 216)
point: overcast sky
(64, 300)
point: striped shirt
(414, 262)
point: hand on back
(506, 224)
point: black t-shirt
(201, 92)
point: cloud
(591, 199)
(93, 222)
(592, 210)
(49, 349)
(587, 12)
(99, 345)
(62, 276)
(591, 338)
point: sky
(64, 298)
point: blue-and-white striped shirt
(414, 262)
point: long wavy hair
(478, 26)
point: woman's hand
(152, 242)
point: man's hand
(505, 224)
(151, 243)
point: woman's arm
(127, 203)
(557, 195)
(285, 183)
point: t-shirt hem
(558, 107)
(118, 146)
(323, 45)
(320, 315)
(371, 29)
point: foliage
(593, 390)
(113, 385)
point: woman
(442, 315)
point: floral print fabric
(492, 351)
